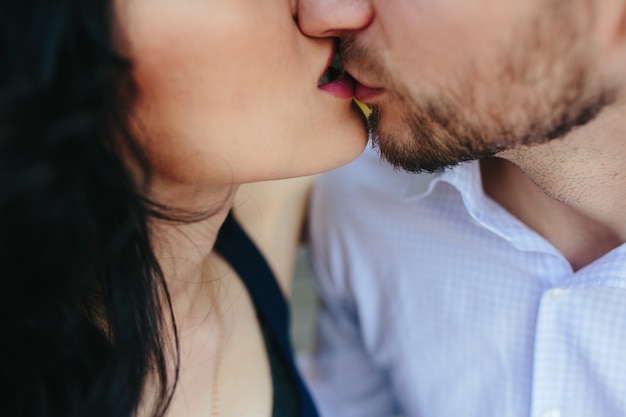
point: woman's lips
(346, 86)
(340, 88)
(343, 84)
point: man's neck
(580, 239)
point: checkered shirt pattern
(436, 302)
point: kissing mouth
(364, 93)
(336, 81)
(333, 73)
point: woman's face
(228, 92)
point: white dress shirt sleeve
(339, 359)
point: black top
(291, 399)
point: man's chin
(407, 158)
(419, 153)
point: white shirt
(436, 302)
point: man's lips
(364, 92)
(340, 82)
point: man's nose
(323, 18)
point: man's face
(455, 80)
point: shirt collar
(607, 271)
(466, 179)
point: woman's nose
(324, 18)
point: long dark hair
(84, 306)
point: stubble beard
(543, 88)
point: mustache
(349, 50)
(356, 58)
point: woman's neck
(185, 251)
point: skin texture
(465, 79)
(228, 92)
(538, 83)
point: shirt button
(551, 413)
(558, 293)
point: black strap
(244, 257)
